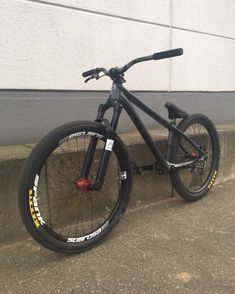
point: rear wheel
(192, 183)
(56, 206)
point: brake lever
(94, 76)
(88, 79)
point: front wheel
(56, 213)
(193, 182)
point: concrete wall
(26, 116)
(46, 45)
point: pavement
(167, 246)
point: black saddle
(174, 111)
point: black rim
(68, 214)
(196, 178)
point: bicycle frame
(121, 98)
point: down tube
(143, 131)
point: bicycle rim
(195, 178)
(64, 211)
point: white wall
(46, 46)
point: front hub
(82, 184)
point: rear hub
(194, 155)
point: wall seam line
(171, 43)
(128, 18)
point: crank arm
(172, 166)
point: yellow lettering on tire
(212, 180)
(31, 208)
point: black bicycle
(77, 180)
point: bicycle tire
(193, 183)
(37, 187)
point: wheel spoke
(69, 212)
(195, 178)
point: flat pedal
(137, 170)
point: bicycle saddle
(174, 111)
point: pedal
(158, 169)
(137, 170)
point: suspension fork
(93, 142)
(110, 129)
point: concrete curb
(12, 159)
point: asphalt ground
(168, 246)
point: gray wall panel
(26, 116)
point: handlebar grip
(88, 73)
(168, 54)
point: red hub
(82, 184)
(194, 155)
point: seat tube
(169, 145)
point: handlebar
(94, 73)
(168, 54)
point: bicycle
(77, 180)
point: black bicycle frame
(119, 98)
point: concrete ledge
(12, 159)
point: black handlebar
(168, 54)
(93, 71)
(155, 56)
(88, 73)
